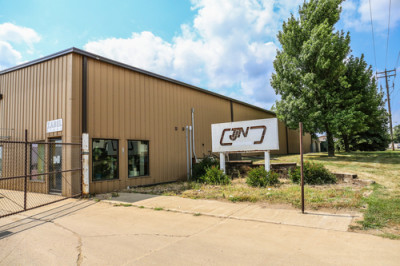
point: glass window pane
(138, 158)
(105, 159)
(37, 161)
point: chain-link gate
(37, 173)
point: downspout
(194, 146)
(191, 150)
(187, 153)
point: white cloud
(229, 48)
(356, 14)
(10, 35)
(9, 56)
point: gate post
(26, 168)
(85, 163)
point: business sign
(252, 135)
(54, 126)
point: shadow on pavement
(43, 217)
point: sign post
(301, 166)
(245, 136)
(267, 161)
(222, 162)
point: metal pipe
(191, 149)
(194, 145)
(301, 166)
(187, 153)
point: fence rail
(37, 173)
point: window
(1, 160)
(104, 159)
(138, 158)
(37, 165)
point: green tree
(396, 133)
(310, 68)
(361, 110)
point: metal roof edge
(37, 61)
(116, 63)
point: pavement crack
(141, 234)
(79, 258)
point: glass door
(55, 166)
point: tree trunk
(346, 143)
(331, 144)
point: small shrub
(114, 194)
(259, 177)
(214, 176)
(314, 174)
(199, 169)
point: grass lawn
(379, 202)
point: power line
(373, 38)
(387, 41)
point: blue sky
(226, 46)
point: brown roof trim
(116, 63)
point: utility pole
(386, 76)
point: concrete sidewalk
(240, 211)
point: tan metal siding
(39, 93)
(127, 105)
(34, 95)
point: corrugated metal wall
(36, 94)
(127, 105)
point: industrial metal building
(135, 119)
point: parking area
(146, 231)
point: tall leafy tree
(363, 118)
(310, 68)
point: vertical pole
(267, 161)
(390, 111)
(190, 150)
(187, 154)
(301, 166)
(222, 162)
(85, 163)
(26, 168)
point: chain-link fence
(36, 173)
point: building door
(55, 165)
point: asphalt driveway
(85, 232)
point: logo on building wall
(253, 135)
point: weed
(114, 194)
(123, 205)
(199, 169)
(215, 176)
(197, 214)
(158, 208)
(314, 174)
(141, 207)
(259, 177)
